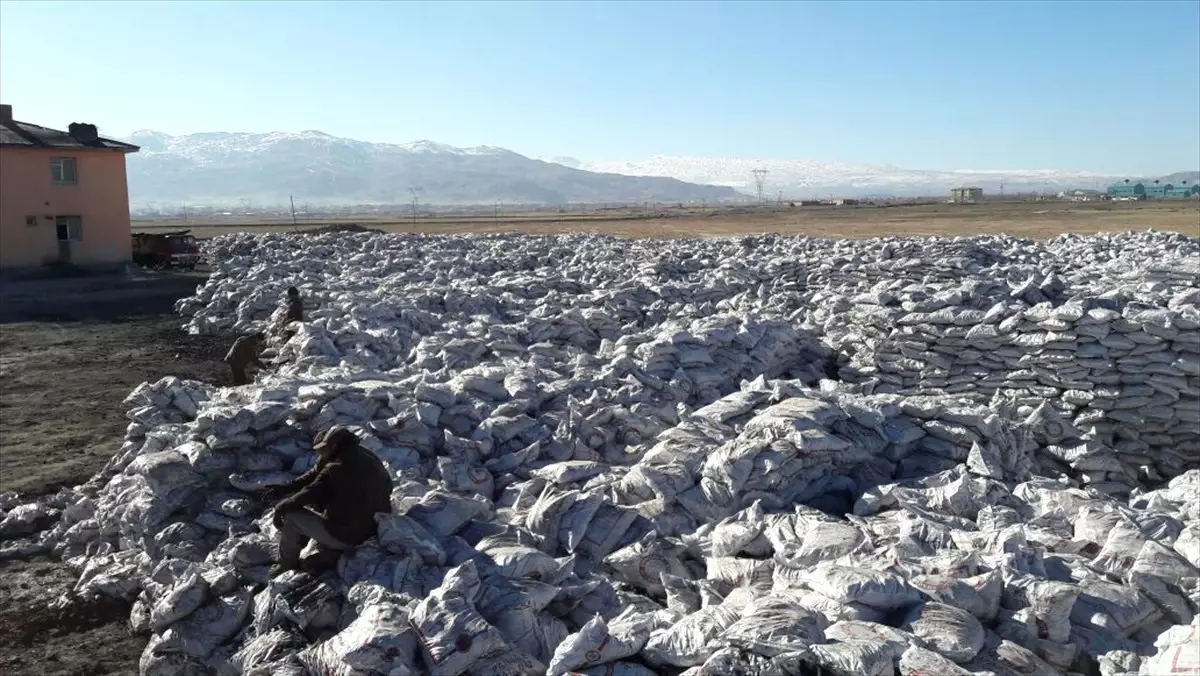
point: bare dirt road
(70, 351)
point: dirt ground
(1036, 220)
(70, 350)
(68, 356)
(76, 640)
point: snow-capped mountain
(561, 159)
(223, 167)
(809, 178)
(1178, 177)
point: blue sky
(1103, 86)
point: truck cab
(167, 250)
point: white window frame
(59, 171)
(74, 226)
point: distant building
(1127, 190)
(966, 195)
(1153, 190)
(65, 196)
(845, 202)
(1079, 195)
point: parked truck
(166, 250)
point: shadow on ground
(94, 297)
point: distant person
(244, 353)
(295, 313)
(333, 503)
(295, 307)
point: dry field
(1039, 220)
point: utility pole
(292, 201)
(414, 204)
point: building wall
(966, 194)
(1154, 191)
(1126, 189)
(100, 198)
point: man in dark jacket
(295, 307)
(295, 313)
(245, 353)
(334, 503)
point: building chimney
(84, 133)
(5, 113)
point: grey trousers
(300, 526)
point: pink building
(63, 196)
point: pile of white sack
(749, 456)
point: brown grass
(1038, 220)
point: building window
(62, 171)
(31, 221)
(70, 228)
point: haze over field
(222, 167)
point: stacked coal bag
(778, 443)
(546, 568)
(166, 402)
(551, 537)
(1121, 372)
(25, 526)
(704, 359)
(613, 456)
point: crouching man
(334, 503)
(245, 353)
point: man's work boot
(323, 559)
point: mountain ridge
(270, 167)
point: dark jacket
(244, 352)
(349, 488)
(295, 310)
